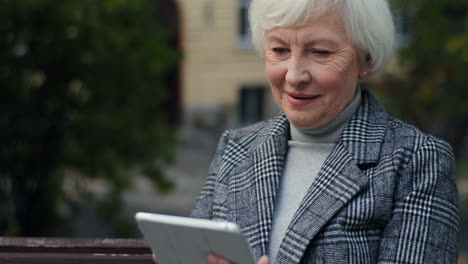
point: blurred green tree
(430, 86)
(81, 99)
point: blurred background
(109, 107)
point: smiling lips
(301, 99)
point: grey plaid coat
(386, 193)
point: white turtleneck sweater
(308, 149)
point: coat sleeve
(424, 223)
(204, 203)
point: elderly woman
(333, 178)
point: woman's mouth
(301, 99)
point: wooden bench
(15, 250)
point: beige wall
(214, 67)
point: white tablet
(181, 240)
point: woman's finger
(216, 259)
(264, 260)
(155, 259)
(212, 259)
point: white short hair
(368, 23)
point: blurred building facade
(222, 79)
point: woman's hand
(155, 259)
(216, 259)
(264, 260)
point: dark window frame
(244, 36)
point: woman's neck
(330, 132)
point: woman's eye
(279, 50)
(321, 52)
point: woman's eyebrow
(276, 39)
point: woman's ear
(363, 74)
(365, 67)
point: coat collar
(337, 182)
(362, 137)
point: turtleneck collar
(331, 131)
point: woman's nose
(297, 72)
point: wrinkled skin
(313, 70)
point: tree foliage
(81, 99)
(429, 89)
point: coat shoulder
(408, 136)
(251, 136)
(259, 129)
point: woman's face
(312, 70)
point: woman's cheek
(276, 89)
(275, 74)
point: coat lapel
(339, 179)
(268, 163)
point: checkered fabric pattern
(386, 194)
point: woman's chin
(303, 120)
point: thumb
(264, 260)
(155, 259)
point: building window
(208, 13)
(251, 104)
(244, 38)
(402, 20)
